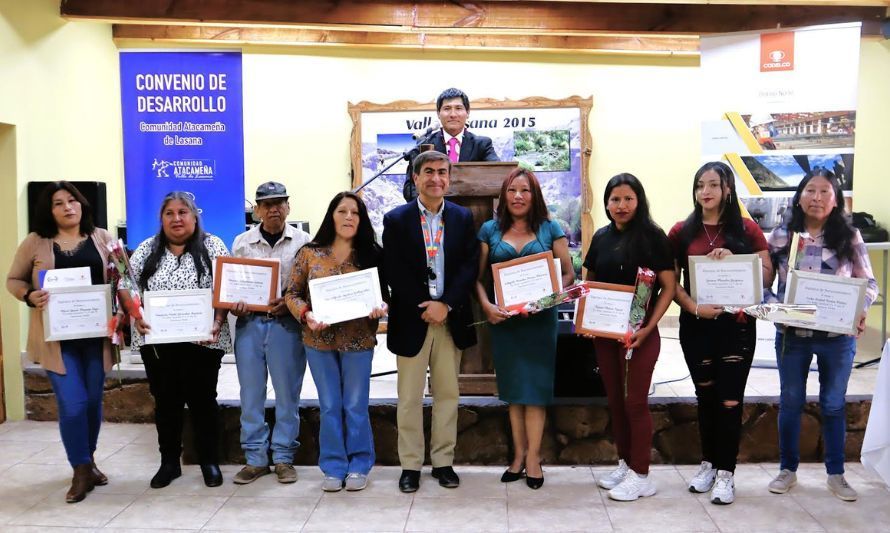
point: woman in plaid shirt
(829, 245)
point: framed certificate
(239, 279)
(345, 296)
(734, 280)
(178, 316)
(839, 301)
(77, 312)
(526, 279)
(605, 311)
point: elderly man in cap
(270, 344)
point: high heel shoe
(534, 483)
(510, 477)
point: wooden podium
(476, 186)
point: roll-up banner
(183, 131)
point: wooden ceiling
(643, 27)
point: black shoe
(510, 477)
(212, 475)
(535, 482)
(166, 473)
(446, 476)
(409, 481)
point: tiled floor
(34, 478)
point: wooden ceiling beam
(532, 15)
(590, 44)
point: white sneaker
(615, 477)
(332, 484)
(632, 488)
(356, 481)
(723, 492)
(783, 482)
(839, 486)
(703, 480)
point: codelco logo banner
(777, 51)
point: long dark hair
(644, 238)
(537, 213)
(736, 240)
(194, 245)
(837, 233)
(367, 251)
(44, 222)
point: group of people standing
(432, 260)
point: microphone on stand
(434, 127)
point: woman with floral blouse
(340, 355)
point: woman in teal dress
(524, 347)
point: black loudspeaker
(93, 191)
(577, 372)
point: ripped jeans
(719, 354)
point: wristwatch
(27, 295)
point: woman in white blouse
(180, 257)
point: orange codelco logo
(777, 51)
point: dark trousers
(631, 420)
(181, 374)
(719, 354)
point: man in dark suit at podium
(453, 138)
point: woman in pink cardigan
(65, 237)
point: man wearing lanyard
(431, 258)
(270, 344)
(453, 138)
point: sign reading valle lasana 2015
(182, 127)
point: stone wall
(574, 434)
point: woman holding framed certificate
(340, 354)
(631, 241)
(524, 349)
(181, 338)
(65, 238)
(827, 244)
(718, 347)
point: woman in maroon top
(718, 347)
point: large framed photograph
(240, 279)
(734, 280)
(605, 311)
(77, 312)
(839, 301)
(346, 296)
(178, 316)
(525, 279)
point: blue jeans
(834, 357)
(79, 397)
(269, 347)
(345, 442)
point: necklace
(708, 235)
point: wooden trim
(702, 16)
(498, 41)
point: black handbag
(871, 231)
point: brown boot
(99, 478)
(81, 483)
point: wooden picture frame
(220, 272)
(597, 288)
(521, 266)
